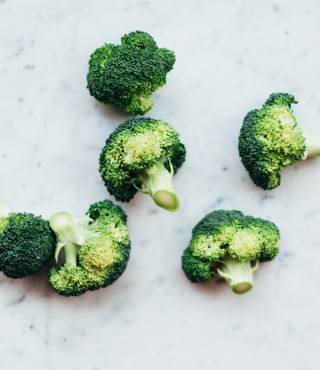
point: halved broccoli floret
(230, 245)
(126, 75)
(96, 250)
(143, 154)
(26, 243)
(271, 140)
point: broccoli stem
(71, 234)
(71, 254)
(239, 275)
(157, 182)
(67, 229)
(312, 143)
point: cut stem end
(167, 200)
(238, 275)
(242, 287)
(158, 183)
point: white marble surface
(230, 56)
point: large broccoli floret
(96, 249)
(26, 243)
(126, 75)
(230, 245)
(271, 140)
(143, 154)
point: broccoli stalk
(239, 275)
(71, 235)
(71, 254)
(158, 183)
(312, 143)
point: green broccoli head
(96, 250)
(26, 243)
(68, 280)
(143, 154)
(126, 75)
(271, 140)
(229, 244)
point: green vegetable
(26, 243)
(271, 140)
(230, 245)
(143, 154)
(126, 75)
(96, 249)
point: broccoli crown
(271, 140)
(126, 75)
(134, 147)
(26, 244)
(222, 235)
(107, 211)
(102, 256)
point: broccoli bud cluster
(143, 154)
(96, 249)
(126, 75)
(26, 243)
(270, 140)
(229, 244)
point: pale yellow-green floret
(212, 246)
(280, 140)
(98, 253)
(242, 244)
(115, 231)
(138, 146)
(142, 103)
(141, 146)
(207, 247)
(245, 245)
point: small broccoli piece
(271, 140)
(96, 249)
(26, 243)
(230, 245)
(126, 75)
(143, 154)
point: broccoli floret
(230, 245)
(271, 140)
(126, 75)
(26, 243)
(143, 154)
(96, 249)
